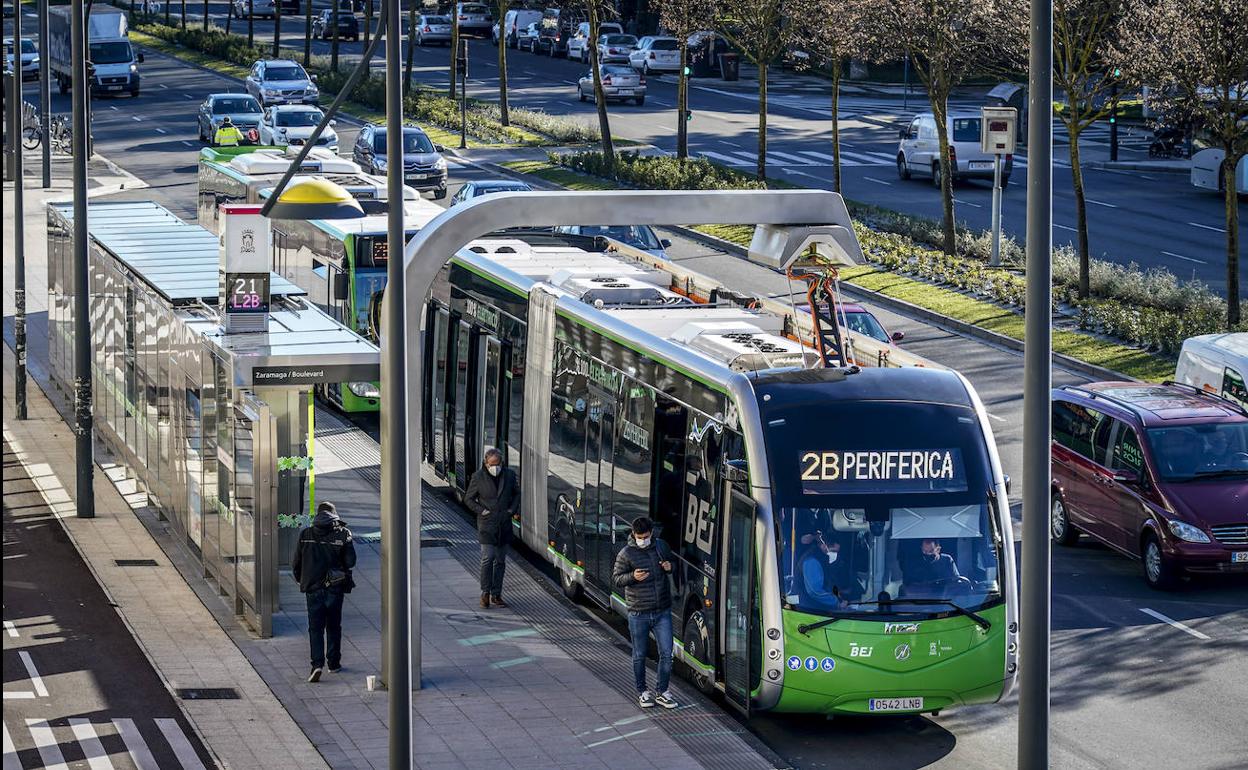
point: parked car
(638, 236)
(281, 81)
(1157, 472)
(29, 55)
(919, 151)
(476, 189)
(243, 110)
(1207, 171)
(656, 54)
(474, 18)
(578, 43)
(291, 7)
(527, 37)
(554, 32)
(615, 49)
(514, 21)
(433, 29)
(618, 82)
(348, 25)
(256, 9)
(423, 166)
(292, 124)
(1216, 363)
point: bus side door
(737, 600)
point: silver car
(287, 124)
(919, 150)
(433, 29)
(619, 81)
(474, 19)
(281, 81)
(638, 236)
(616, 49)
(242, 109)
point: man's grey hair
(493, 452)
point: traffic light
(688, 70)
(688, 116)
(1117, 72)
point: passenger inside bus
(825, 580)
(930, 574)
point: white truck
(115, 63)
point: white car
(287, 124)
(919, 150)
(656, 54)
(578, 43)
(1207, 171)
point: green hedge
(658, 172)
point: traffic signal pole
(84, 458)
(19, 217)
(45, 99)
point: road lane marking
(11, 762)
(92, 749)
(162, 85)
(45, 741)
(1100, 203)
(751, 159)
(616, 738)
(961, 202)
(181, 746)
(10, 629)
(878, 181)
(820, 180)
(188, 143)
(189, 96)
(995, 417)
(1208, 227)
(136, 118)
(786, 157)
(136, 747)
(721, 158)
(113, 107)
(1064, 227)
(1188, 259)
(161, 131)
(1175, 623)
(35, 679)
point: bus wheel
(697, 640)
(571, 588)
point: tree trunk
(939, 101)
(167, 4)
(1229, 163)
(277, 28)
(206, 15)
(18, 3)
(183, 15)
(1081, 211)
(411, 47)
(762, 120)
(307, 34)
(251, 25)
(333, 41)
(229, 17)
(454, 50)
(368, 21)
(600, 97)
(836, 125)
(682, 103)
(504, 114)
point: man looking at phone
(641, 570)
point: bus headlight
(1184, 531)
(364, 389)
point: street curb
(1152, 166)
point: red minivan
(1158, 472)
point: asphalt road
(1129, 689)
(77, 688)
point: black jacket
(655, 592)
(323, 546)
(494, 500)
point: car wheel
(1060, 528)
(580, 92)
(698, 647)
(1159, 572)
(645, 68)
(936, 176)
(903, 171)
(640, 100)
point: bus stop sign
(1000, 128)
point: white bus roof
(277, 161)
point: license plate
(1239, 557)
(414, 177)
(115, 88)
(981, 164)
(895, 704)
(626, 92)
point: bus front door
(598, 532)
(737, 601)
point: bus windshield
(880, 502)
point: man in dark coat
(641, 570)
(322, 566)
(494, 496)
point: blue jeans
(640, 624)
(325, 626)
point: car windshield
(112, 52)
(412, 142)
(638, 236)
(1193, 452)
(235, 106)
(966, 130)
(284, 72)
(28, 46)
(869, 516)
(664, 45)
(621, 40)
(865, 323)
(298, 117)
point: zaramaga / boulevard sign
(314, 375)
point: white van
(919, 151)
(514, 21)
(1216, 363)
(578, 44)
(1207, 171)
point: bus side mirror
(341, 286)
(736, 471)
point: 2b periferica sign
(879, 471)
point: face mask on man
(494, 470)
(643, 542)
(831, 557)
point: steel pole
(401, 643)
(19, 219)
(11, 119)
(463, 94)
(83, 451)
(1035, 610)
(45, 96)
(995, 261)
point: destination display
(247, 292)
(881, 471)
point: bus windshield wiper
(979, 619)
(806, 628)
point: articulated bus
(842, 535)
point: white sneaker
(646, 700)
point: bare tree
(411, 47)
(682, 18)
(456, 36)
(948, 41)
(251, 22)
(1194, 55)
(277, 27)
(333, 42)
(307, 34)
(500, 9)
(1083, 31)
(368, 21)
(184, 14)
(206, 15)
(596, 9)
(756, 28)
(831, 32)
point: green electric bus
(843, 535)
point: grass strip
(1133, 362)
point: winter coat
(323, 546)
(494, 500)
(655, 592)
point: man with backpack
(322, 566)
(641, 571)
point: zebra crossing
(102, 744)
(797, 158)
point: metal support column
(401, 637)
(83, 455)
(45, 98)
(1035, 610)
(995, 261)
(19, 221)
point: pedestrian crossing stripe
(802, 158)
(53, 742)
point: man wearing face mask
(641, 571)
(826, 581)
(933, 573)
(494, 496)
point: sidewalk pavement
(537, 685)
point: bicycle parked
(61, 131)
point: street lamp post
(84, 456)
(45, 97)
(19, 218)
